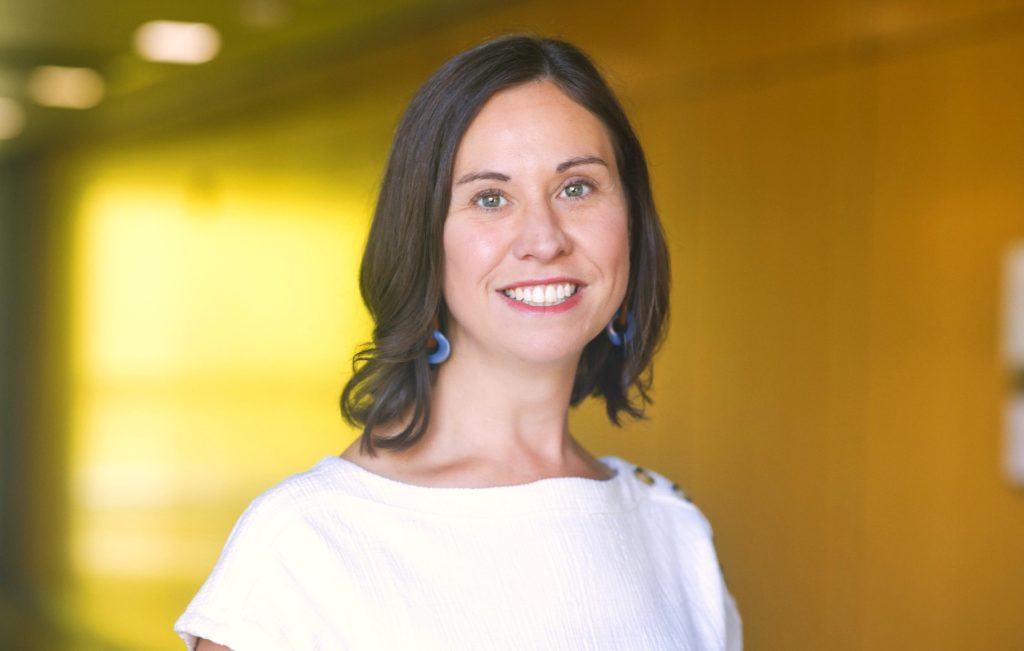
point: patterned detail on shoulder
(643, 476)
(659, 482)
(679, 491)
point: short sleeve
(244, 603)
(733, 623)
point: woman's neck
(507, 413)
(493, 424)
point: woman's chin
(550, 354)
(545, 348)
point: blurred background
(185, 189)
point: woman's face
(535, 242)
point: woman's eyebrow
(580, 160)
(498, 176)
(476, 176)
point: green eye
(576, 190)
(490, 201)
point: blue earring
(625, 323)
(443, 348)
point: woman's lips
(561, 301)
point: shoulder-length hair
(401, 277)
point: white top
(341, 558)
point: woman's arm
(206, 645)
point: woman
(515, 265)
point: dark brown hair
(401, 276)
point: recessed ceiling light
(12, 118)
(169, 41)
(76, 88)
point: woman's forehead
(533, 123)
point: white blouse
(341, 558)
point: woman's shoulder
(658, 485)
(663, 492)
(323, 477)
(281, 505)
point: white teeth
(542, 295)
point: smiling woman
(515, 228)
(401, 277)
(536, 209)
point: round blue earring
(442, 348)
(626, 328)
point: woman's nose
(541, 235)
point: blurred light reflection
(168, 41)
(63, 87)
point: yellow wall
(944, 554)
(839, 182)
(216, 309)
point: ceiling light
(76, 88)
(169, 41)
(12, 118)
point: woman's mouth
(542, 295)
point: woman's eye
(576, 190)
(490, 201)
